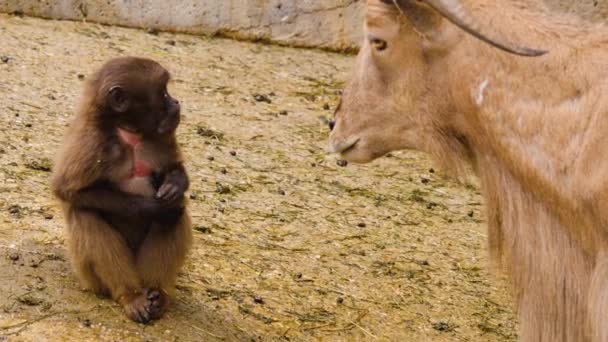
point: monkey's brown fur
(121, 180)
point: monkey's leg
(598, 299)
(160, 257)
(103, 261)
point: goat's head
(394, 99)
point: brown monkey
(121, 180)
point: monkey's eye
(378, 44)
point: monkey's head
(131, 93)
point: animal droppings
(262, 98)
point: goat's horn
(458, 15)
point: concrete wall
(334, 24)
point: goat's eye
(379, 44)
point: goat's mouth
(343, 147)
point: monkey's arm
(104, 198)
(174, 185)
(80, 171)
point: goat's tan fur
(535, 131)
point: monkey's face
(135, 96)
(169, 117)
(151, 112)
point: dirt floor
(289, 245)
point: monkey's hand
(154, 209)
(175, 184)
(170, 194)
(148, 207)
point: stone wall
(333, 24)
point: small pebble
(471, 213)
(441, 326)
(313, 164)
(424, 262)
(281, 192)
(258, 300)
(81, 76)
(86, 323)
(326, 106)
(431, 170)
(339, 300)
(233, 153)
(299, 275)
(342, 163)
(28, 125)
(223, 171)
(283, 112)
(210, 158)
(221, 189)
(262, 98)
(192, 196)
(204, 230)
(424, 180)
(170, 42)
(48, 216)
(4, 59)
(13, 256)
(361, 225)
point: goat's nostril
(332, 124)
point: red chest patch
(141, 168)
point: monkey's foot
(146, 306)
(158, 302)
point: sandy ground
(288, 244)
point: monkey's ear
(118, 99)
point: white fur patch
(482, 87)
